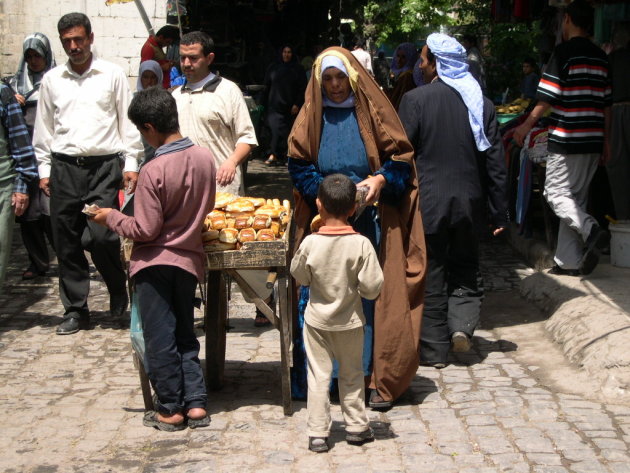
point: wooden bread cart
(273, 256)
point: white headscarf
(334, 61)
(452, 68)
(152, 66)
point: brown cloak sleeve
(399, 307)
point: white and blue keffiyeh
(452, 68)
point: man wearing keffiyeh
(459, 159)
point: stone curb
(589, 318)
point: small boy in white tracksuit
(340, 266)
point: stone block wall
(119, 31)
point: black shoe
(460, 342)
(597, 239)
(118, 304)
(73, 325)
(360, 438)
(563, 272)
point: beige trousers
(322, 347)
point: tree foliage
(505, 45)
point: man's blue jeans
(166, 302)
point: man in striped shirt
(17, 170)
(576, 86)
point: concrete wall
(118, 29)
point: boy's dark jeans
(166, 297)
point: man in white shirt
(362, 55)
(213, 113)
(81, 135)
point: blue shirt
(19, 142)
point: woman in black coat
(285, 82)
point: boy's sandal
(359, 438)
(318, 444)
(32, 274)
(377, 401)
(151, 420)
(261, 321)
(199, 423)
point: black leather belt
(85, 161)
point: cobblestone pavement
(73, 403)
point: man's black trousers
(454, 289)
(72, 186)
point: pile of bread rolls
(236, 220)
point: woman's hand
(101, 216)
(376, 184)
(20, 99)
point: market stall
(247, 233)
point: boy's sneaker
(360, 438)
(318, 444)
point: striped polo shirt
(576, 83)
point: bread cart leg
(215, 320)
(285, 341)
(144, 382)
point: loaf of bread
(228, 235)
(243, 222)
(217, 222)
(210, 235)
(257, 201)
(221, 199)
(275, 227)
(270, 210)
(241, 205)
(316, 223)
(266, 234)
(217, 245)
(261, 221)
(247, 234)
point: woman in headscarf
(37, 59)
(149, 75)
(405, 57)
(284, 95)
(347, 125)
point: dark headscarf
(410, 55)
(27, 82)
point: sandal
(261, 321)
(377, 401)
(151, 420)
(271, 161)
(199, 423)
(31, 273)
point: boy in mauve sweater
(174, 194)
(340, 266)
